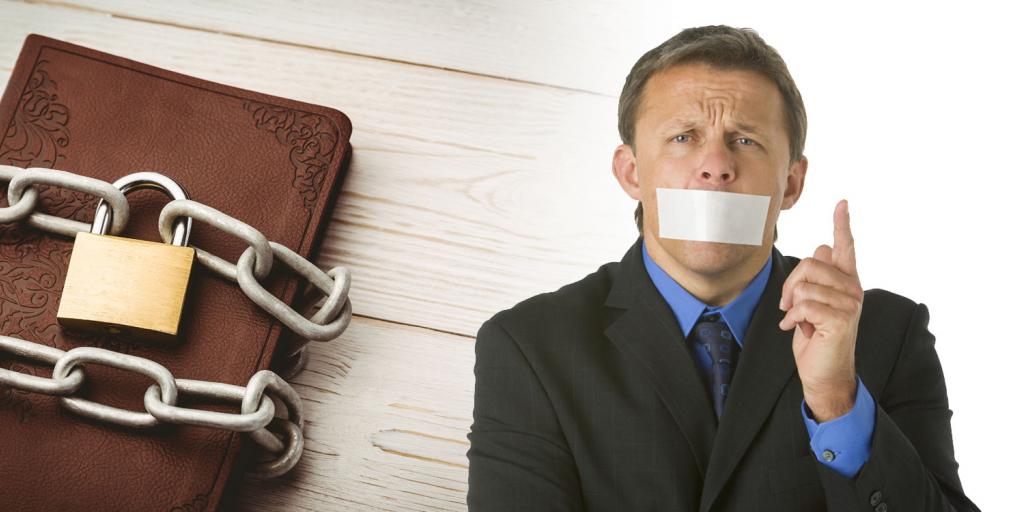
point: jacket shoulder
(884, 303)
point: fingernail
(781, 303)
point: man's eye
(678, 138)
(751, 141)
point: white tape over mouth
(712, 216)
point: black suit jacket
(586, 398)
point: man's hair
(722, 47)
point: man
(610, 393)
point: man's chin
(707, 258)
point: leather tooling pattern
(312, 139)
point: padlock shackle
(143, 180)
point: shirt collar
(688, 309)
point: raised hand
(823, 296)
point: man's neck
(714, 291)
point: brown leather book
(274, 163)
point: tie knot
(714, 334)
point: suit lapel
(648, 332)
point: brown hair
(722, 47)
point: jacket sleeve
(911, 465)
(518, 457)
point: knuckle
(800, 287)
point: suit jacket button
(876, 498)
(881, 507)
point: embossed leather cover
(276, 164)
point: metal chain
(160, 400)
(334, 316)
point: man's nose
(716, 175)
(717, 166)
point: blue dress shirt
(844, 443)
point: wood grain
(388, 410)
(455, 205)
(453, 209)
(587, 46)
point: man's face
(702, 128)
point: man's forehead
(686, 93)
(699, 78)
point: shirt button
(828, 455)
(876, 498)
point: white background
(914, 116)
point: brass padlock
(123, 286)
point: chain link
(244, 422)
(42, 354)
(41, 176)
(334, 288)
(189, 208)
(115, 415)
(160, 399)
(257, 411)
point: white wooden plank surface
(449, 214)
(388, 410)
(452, 208)
(584, 45)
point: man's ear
(794, 183)
(624, 168)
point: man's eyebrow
(749, 128)
(683, 124)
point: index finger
(843, 256)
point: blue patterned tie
(713, 333)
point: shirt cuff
(844, 443)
